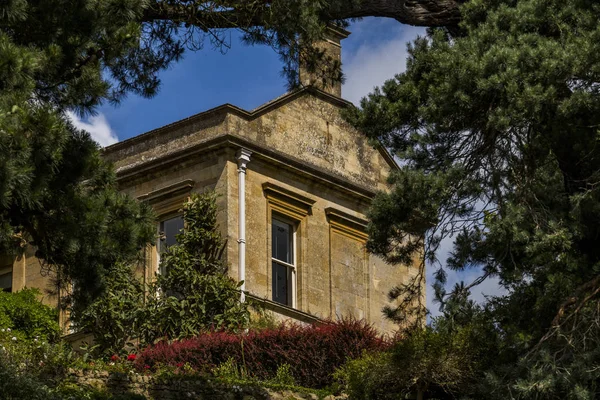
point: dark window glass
(280, 283)
(282, 237)
(6, 282)
(169, 229)
(282, 241)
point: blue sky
(250, 76)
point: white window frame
(292, 269)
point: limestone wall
(336, 277)
(313, 130)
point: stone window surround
(292, 208)
(347, 225)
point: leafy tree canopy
(495, 118)
(497, 127)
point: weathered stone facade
(307, 166)
(304, 167)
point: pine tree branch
(581, 296)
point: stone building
(295, 181)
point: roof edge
(229, 108)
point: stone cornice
(168, 191)
(227, 108)
(287, 199)
(347, 224)
(258, 152)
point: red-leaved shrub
(313, 352)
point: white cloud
(372, 64)
(97, 126)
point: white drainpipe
(243, 158)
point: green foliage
(57, 56)
(434, 362)
(229, 371)
(44, 46)
(283, 376)
(76, 392)
(30, 366)
(564, 364)
(56, 192)
(26, 317)
(430, 360)
(29, 336)
(14, 385)
(116, 316)
(34, 368)
(195, 294)
(371, 377)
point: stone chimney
(326, 77)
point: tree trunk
(411, 12)
(207, 15)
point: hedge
(313, 352)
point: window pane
(169, 229)
(280, 283)
(282, 241)
(6, 282)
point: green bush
(77, 392)
(115, 317)
(27, 318)
(15, 385)
(371, 377)
(283, 376)
(29, 345)
(430, 362)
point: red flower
(146, 367)
(114, 358)
(179, 365)
(131, 357)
